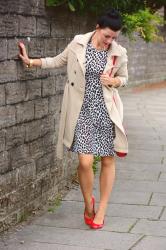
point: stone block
(26, 174)
(8, 71)
(2, 139)
(38, 128)
(36, 149)
(3, 51)
(41, 108)
(8, 182)
(2, 95)
(7, 116)
(4, 162)
(59, 26)
(25, 111)
(9, 25)
(15, 136)
(50, 47)
(19, 156)
(48, 86)
(30, 7)
(27, 26)
(61, 44)
(36, 47)
(13, 49)
(43, 27)
(45, 162)
(15, 92)
(33, 89)
(54, 105)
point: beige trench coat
(74, 57)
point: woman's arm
(47, 62)
(121, 76)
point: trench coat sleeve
(122, 72)
(56, 61)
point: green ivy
(145, 23)
(136, 17)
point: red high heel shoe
(96, 226)
(88, 220)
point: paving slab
(151, 243)
(46, 246)
(122, 210)
(74, 237)
(140, 186)
(137, 175)
(158, 199)
(114, 224)
(116, 197)
(163, 216)
(150, 227)
(134, 166)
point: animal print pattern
(94, 131)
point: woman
(92, 112)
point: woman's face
(106, 36)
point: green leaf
(71, 6)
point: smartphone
(21, 51)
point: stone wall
(147, 61)
(30, 101)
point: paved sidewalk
(136, 213)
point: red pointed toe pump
(88, 220)
(97, 226)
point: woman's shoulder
(119, 47)
(82, 38)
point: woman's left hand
(107, 80)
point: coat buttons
(74, 71)
(72, 83)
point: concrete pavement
(136, 213)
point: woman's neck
(95, 42)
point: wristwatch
(30, 64)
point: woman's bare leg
(107, 176)
(86, 178)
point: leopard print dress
(94, 131)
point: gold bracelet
(30, 64)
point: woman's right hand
(23, 54)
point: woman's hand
(23, 54)
(111, 81)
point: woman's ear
(97, 26)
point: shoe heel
(87, 220)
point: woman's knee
(85, 161)
(108, 161)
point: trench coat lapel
(113, 51)
(81, 49)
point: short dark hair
(110, 19)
